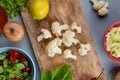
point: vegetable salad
(113, 41)
(14, 66)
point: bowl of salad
(111, 41)
(16, 64)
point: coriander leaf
(13, 7)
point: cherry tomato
(12, 59)
(14, 53)
(15, 78)
(27, 69)
(22, 58)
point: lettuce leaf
(61, 73)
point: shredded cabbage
(113, 41)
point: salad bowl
(30, 63)
(111, 41)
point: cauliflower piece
(97, 4)
(57, 28)
(45, 34)
(77, 28)
(68, 55)
(101, 6)
(52, 47)
(68, 38)
(84, 48)
(104, 10)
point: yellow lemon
(39, 9)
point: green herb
(13, 7)
(61, 73)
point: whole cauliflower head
(57, 28)
(52, 47)
(68, 38)
(84, 48)
(68, 55)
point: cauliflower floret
(45, 34)
(97, 4)
(104, 11)
(76, 27)
(101, 6)
(67, 54)
(84, 48)
(68, 38)
(52, 47)
(57, 28)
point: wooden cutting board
(63, 11)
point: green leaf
(5, 63)
(13, 7)
(46, 75)
(61, 73)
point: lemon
(39, 9)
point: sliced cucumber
(25, 74)
(16, 61)
(25, 63)
(2, 56)
(1, 69)
(20, 66)
(5, 63)
(28, 78)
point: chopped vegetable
(68, 55)
(57, 28)
(2, 56)
(113, 41)
(52, 47)
(74, 26)
(101, 6)
(45, 35)
(13, 7)
(12, 69)
(61, 73)
(68, 38)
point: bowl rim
(26, 54)
(114, 24)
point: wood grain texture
(64, 11)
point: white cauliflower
(52, 47)
(68, 38)
(104, 11)
(101, 6)
(97, 4)
(45, 34)
(68, 55)
(84, 48)
(74, 26)
(57, 28)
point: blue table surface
(96, 25)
